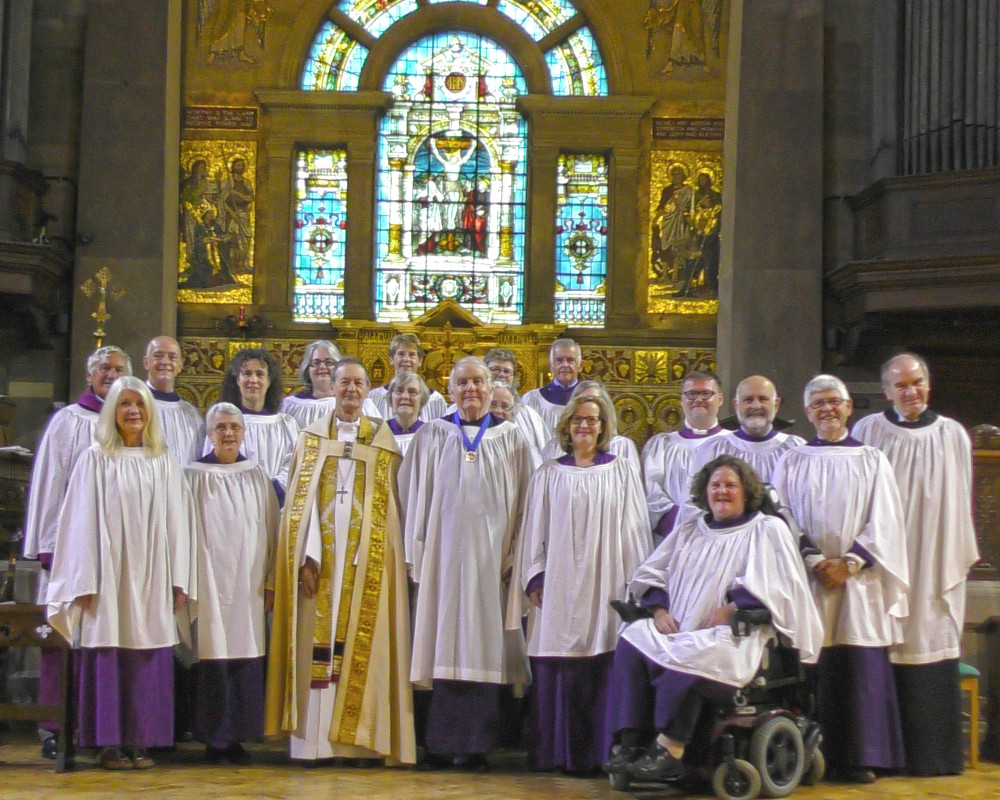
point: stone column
(770, 293)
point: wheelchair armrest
(744, 619)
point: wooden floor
(180, 774)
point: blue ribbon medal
(470, 447)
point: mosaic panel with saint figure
(216, 218)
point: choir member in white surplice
(931, 456)
(502, 364)
(666, 458)
(183, 427)
(253, 384)
(843, 496)
(125, 563)
(756, 441)
(69, 433)
(237, 513)
(408, 394)
(584, 532)
(666, 666)
(338, 666)
(565, 362)
(462, 484)
(316, 400)
(621, 446)
(506, 404)
(406, 355)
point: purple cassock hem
(666, 523)
(463, 718)
(569, 703)
(126, 697)
(229, 701)
(49, 671)
(857, 707)
(655, 597)
(743, 599)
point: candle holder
(101, 285)
(242, 326)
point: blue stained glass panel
(319, 255)
(377, 16)
(581, 247)
(334, 62)
(474, 2)
(576, 67)
(450, 220)
(537, 17)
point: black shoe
(432, 761)
(215, 755)
(477, 762)
(855, 775)
(656, 765)
(235, 754)
(621, 757)
(50, 747)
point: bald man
(756, 441)
(183, 427)
(931, 456)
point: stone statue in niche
(230, 27)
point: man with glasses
(843, 495)
(756, 441)
(183, 429)
(932, 459)
(565, 362)
(406, 355)
(667, 457)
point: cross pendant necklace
(342, 485)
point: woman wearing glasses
(316, 400)
(585, 530)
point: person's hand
(664, 621)
(307, 578)
(268, 601)
(832, 572)
(720, 616)
(536, 598)
(85, 601)
(179, 599)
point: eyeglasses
(833, 402)
(316, 363)
(231, 428)
(495, 406)
(703, 395)
(506, 371)
(590, 422)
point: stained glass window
(320, 227)
(376, 16)
(450, 216)
(476, 2)
(538, 18)
(334, 63)
(581, 239)
(576, 67)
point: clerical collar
(746, 437)
(397, 429)
(687, 432)
(569, 460)
(212, 459)
(927, 417)
(846, 441)
(262, 413)
(167, 397)
(722, 524)
(343, 423)
(556, 393)
(90, 401)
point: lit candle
(243, 313)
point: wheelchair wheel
(777, 751)
(816, 770)
(741, 782)
(620, 781)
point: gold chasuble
(369, 657)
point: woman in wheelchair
(682, 652)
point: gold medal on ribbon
(470, 455)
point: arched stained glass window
(452, 181)
(538, 18)
(581, 250)
(320, 227)
(576, 67)
(334, 63)
(376, 16)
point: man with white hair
(236, 509)
(462, 485)
(666, 458)
(69, 433)
(406, 355)
(931, 456)
(756, 441)
(843, 495)
(565, 363)
(183, 428)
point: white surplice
(306, 410)
(461, 521)
(933, 468)
(237, 515)
(666, 471)
(761, 455)
(126, 536)
(69, 433)
(621, 446)
(269, 441)
(587, 529)
(841, 495)
(697, 565)
(549, 412)
(434, 408)
(183, 429)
